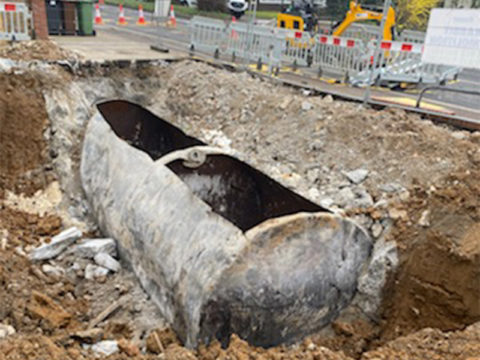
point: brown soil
(35, 50)
(438, 284)
(23, 149)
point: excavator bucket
(220, 247)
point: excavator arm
(357, 13)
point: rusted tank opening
(233, 189)
(143, 130)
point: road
(178, 39)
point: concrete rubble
(6, 330)
(58, 244)
(93, 271)
(357, 176)
(88, 248)
(107, 261)
(106, 347)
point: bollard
(319, 72)
(234, 56)
(192, 50)
(309, 58)
(295, 66)
(216, 55)
(259, 64)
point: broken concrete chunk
(306, 106)
(105, 260)
(106, 347)
(89, 336)
(357, 176)
(91, 247)
(94, 271)
(50, 270)
(376, 229)
(391, 187)
(424, 219)
(370, 284)
(6, 330)
(58, 244)
(397, 214)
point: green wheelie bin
(85, 17)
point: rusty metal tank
(220, 247)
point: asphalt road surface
(178, 39)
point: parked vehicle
(237, 7)
(189, 3)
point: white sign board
(162, 8)
(453, 38)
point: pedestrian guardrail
(15, 20)
(260, 44)
(350, 57)
(339, 54)
(402, 62)
(206, 34)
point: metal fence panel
(398, 61)
(15, 20)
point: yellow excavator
(302, 17)
(358, 13)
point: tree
(414, 15)
(336, 9)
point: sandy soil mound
(36, 50)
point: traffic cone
(141, 16)
(234, 34)
(172, 21)
(121, 16)
(98, 16)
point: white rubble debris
(51, 270)
(106, 347)
(391, 187)
(357, 176)
(424, 219)
(3, 239)
(376, 230)
(306, 106)
(105, 260)
(6, 330)
(371, 282)
(88, 248)
(217, 138)
(58, 244)
(93, 271)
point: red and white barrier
(401, 46)
(338, 41)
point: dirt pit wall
(424, 212)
